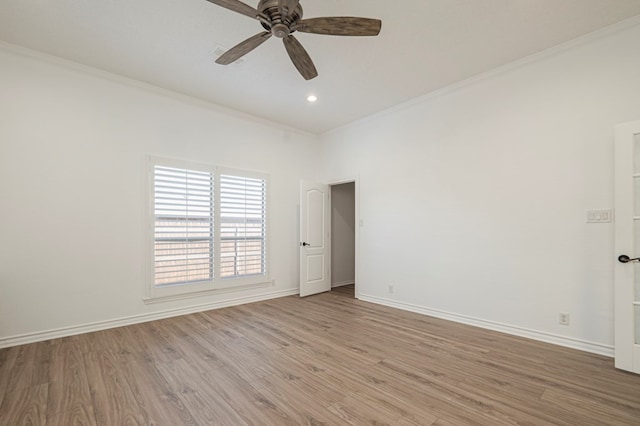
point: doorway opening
(343, 239)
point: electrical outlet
(564, 318)
(392, 288)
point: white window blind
(184, 225)
(242, 226)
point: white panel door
(315, 234)
(627, 245)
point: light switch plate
(599, 216)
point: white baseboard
(569, 342)
(40, 336)
(342, 284)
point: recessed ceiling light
(312, 98)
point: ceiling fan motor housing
(280, 25)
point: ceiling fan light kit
(281, 18)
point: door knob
(305, 244)
(623, 258)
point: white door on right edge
(627, 246)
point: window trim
(167, 292)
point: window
(183, 249)
(242, 226)
(209, 228)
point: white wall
(72, 188)
(343, 241)
(474, 199)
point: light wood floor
(327, 359)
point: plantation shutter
(184, 234)
(242, 226)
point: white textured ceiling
(424, 45)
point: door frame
(358, 223)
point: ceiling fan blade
(340, 26)
(243, 48)
(287, 7)
(300, 57)
(237, 6)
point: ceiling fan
(281, 18)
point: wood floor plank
(622, 393)
(284, 337)
(122, 340)
(25, 406)
(402, 392)
(294, 377)
(444, 422)
(217, 326)
(254, 407)
(113, 401)
(7, 360)
(353, 411)
(201, 353)
(303, 408)
(31, 366)
(597, 412)
(451, 388)
(369, 387)
(90, 342)
(155, 397)
(79, 416)
(155, 345)
(9, 354)
(256, 332)
(246, 364)
(68, 384)
(198, 395)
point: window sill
(209, 292)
